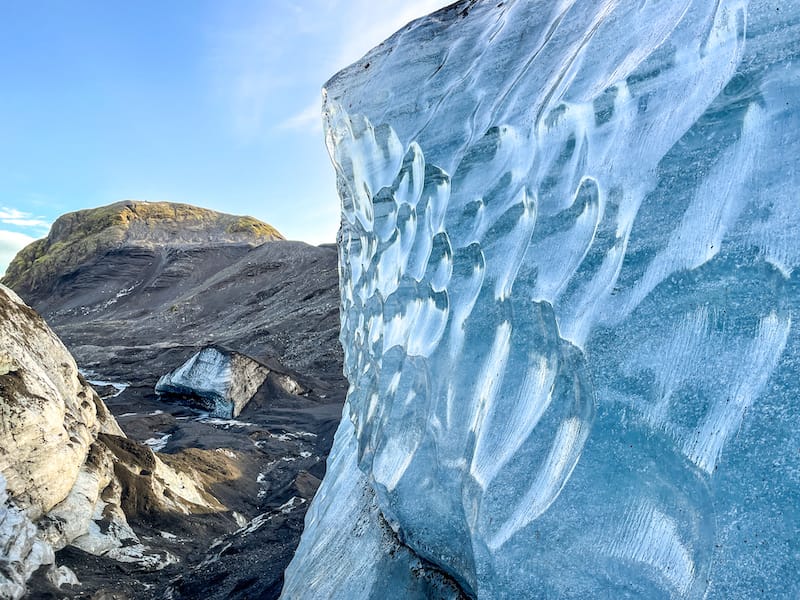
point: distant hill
(78, 236)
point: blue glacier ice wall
(569, 264)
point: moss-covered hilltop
(77, 236)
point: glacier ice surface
(206, 376)
(569, 281)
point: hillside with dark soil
(134, 309)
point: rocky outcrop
(78, 236)
(133, 313)
(53, 470)
(49, 416)
(68, 474)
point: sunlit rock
(68, 474)
(50, 416)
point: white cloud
(11, 242)
(26, 223)
(367, 23)
(18, 218)
(11, 213)
(263, 53)
(309, 119)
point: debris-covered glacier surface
(569, 263)
(207, 376)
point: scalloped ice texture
(568, 259)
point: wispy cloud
(18, 218)
(11, 242)
(286, 51)
(368, 23)
(308, 120)
(250, 52)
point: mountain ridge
(79, 235)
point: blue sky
(214, 103)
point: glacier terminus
(569, 264)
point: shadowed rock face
(133, 313)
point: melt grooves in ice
(568, 280)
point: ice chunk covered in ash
(22, 551)
(221, 381)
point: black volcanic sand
(134, 314)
